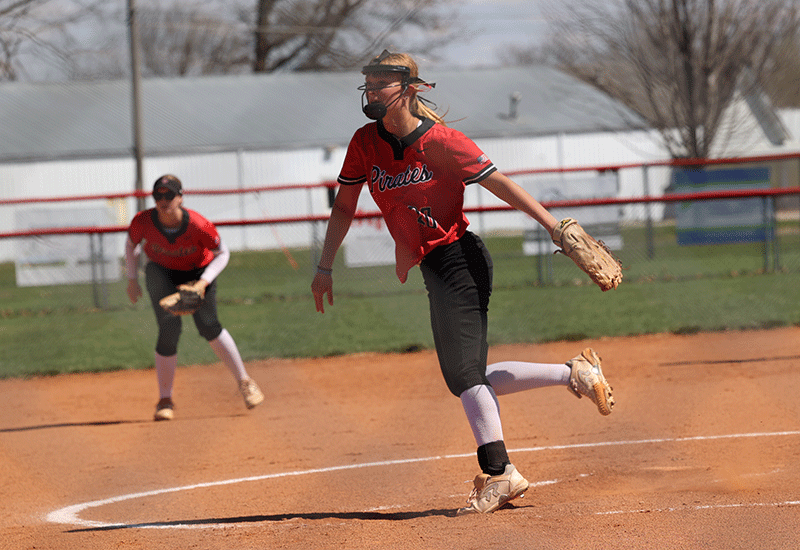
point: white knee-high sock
(483, 412)
(165, 373)
(227, 352)
(514, 376)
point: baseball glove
(590, 255)
(186, 301)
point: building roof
(282, 111)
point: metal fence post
(315, 249)
(773, 229)
(541, 245)
(103, 279)
(767, 231)
(651, 251)
(240, 185)
(93, 262)
(99, 288)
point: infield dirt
(371, 451)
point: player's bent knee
(210, 332)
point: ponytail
(419, 109)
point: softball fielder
(181, 246)
(416, 169)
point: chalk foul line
(70, 514)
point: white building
(245, 132)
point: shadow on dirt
(364, 516)
(73, 425)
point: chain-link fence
(84, 269)
(674, 247)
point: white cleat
(587, 379)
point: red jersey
(187, 248)
(418, 183)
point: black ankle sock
(493, 458)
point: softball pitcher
(416, 169)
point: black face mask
(377, 110)
(374, 111)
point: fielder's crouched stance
(416, 169)
(185, 255)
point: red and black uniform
(186, 249)
(418, 182)
(177, 256)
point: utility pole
(136, 77)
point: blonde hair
(417, 107)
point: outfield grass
(267, 306)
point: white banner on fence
(67, 259)
(368, 243)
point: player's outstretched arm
(515, 196)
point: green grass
(267, 306)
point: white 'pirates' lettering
(387, 182)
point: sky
(491, 25)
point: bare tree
(679, 63)
(294, 35)
(329, 34)
(41, 32)
(190, 37)
(181, 41)
(783, 84)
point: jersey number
(424, 217)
